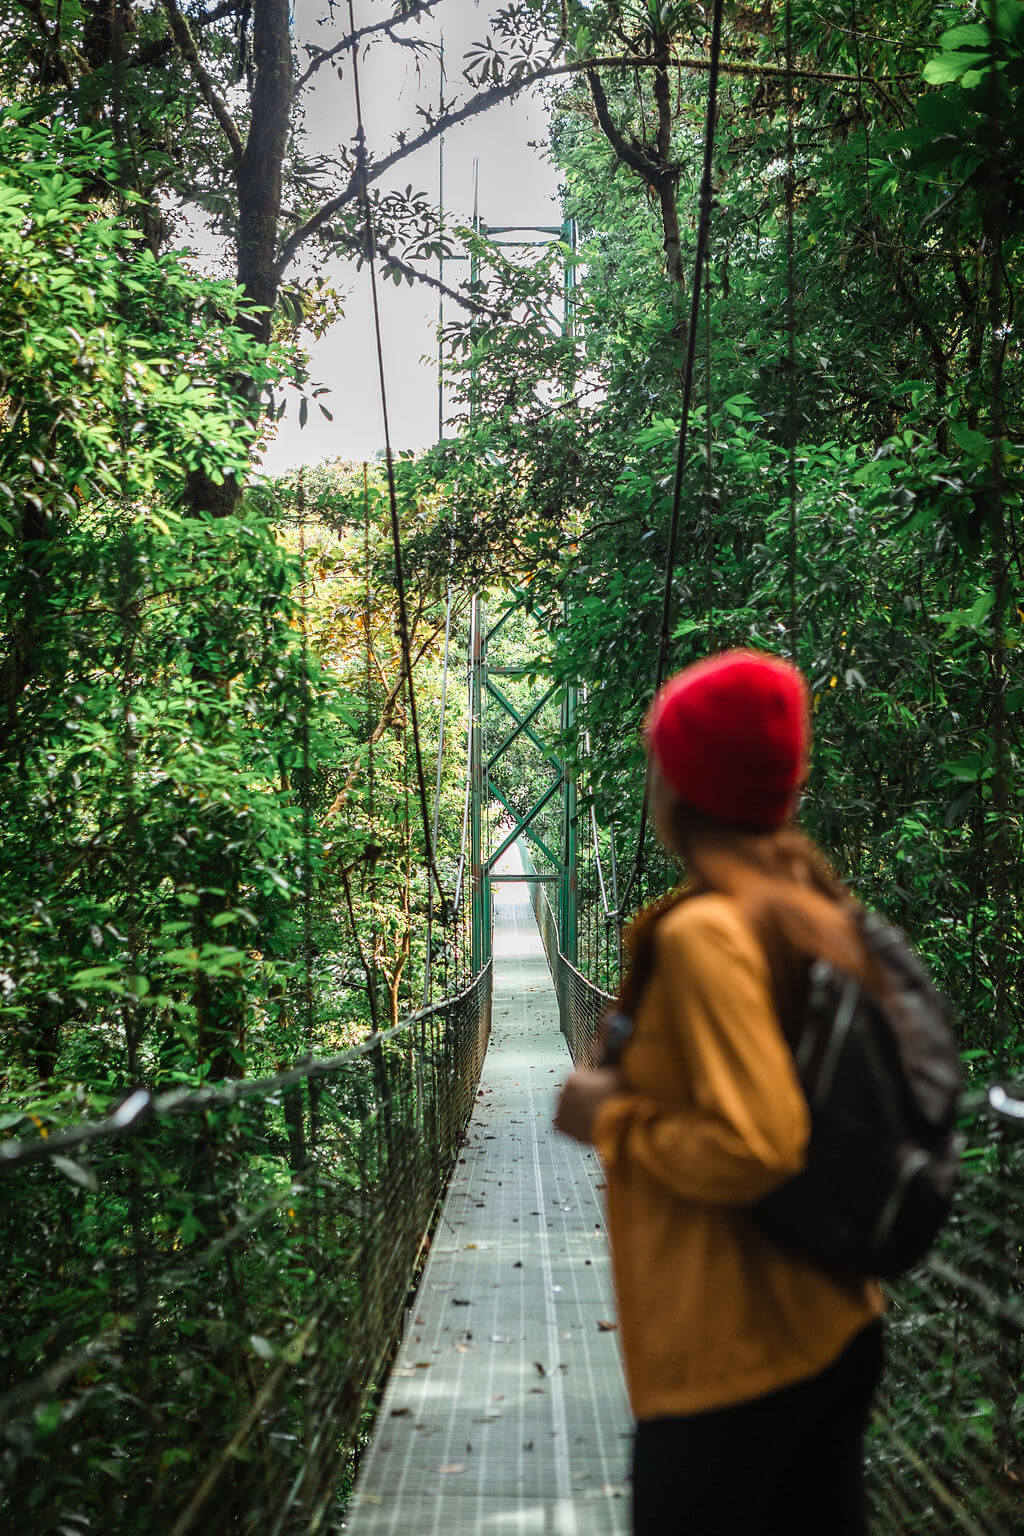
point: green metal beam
(523, 824)
(515, 608)
(522, 726)
(567, 907)
(504, 879)
(542, 747)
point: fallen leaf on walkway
(400, 1413)
(455, 1466)
(605, 1327)
(424, 1365)
(539, 1368)
(459, 1301)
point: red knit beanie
(731, 736)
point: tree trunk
(258, 178)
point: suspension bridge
(371, 1293)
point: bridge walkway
(506, 1410)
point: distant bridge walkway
(506, 1411)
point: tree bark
(658, 170)
(259, 183)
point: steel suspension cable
(710, 549)
(396, 535)
(437, 785)
(791, 402)
(307, 787)
(465, 816)
(706, 199)
(999, 314)
(370, 864)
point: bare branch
(186, 45)
(451, 119)
(388, 27)
(627, 152)
(501, 93)
(387, 714)
(414, 275)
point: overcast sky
(517, 186)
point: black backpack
(882, 1080)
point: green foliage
(110, 354)
(898, 596)
(972, 137)
(150, 676)
(211, 854)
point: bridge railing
(580, 1003)
(203, 1288)
(946, 1451)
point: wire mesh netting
(946, 1449)
(214, 1284)
(580, 1003)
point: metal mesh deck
(506, 1411)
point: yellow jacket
(711, 1312)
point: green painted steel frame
(483, 788)
(482, 686)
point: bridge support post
(568, 938)
(480, 924)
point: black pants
(789, 1464)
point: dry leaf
(606, 1327)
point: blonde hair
(794, 902)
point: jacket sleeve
(746, 1125)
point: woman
(750, 1370)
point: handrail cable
(703, 226)
(791, 401)
(142, 1106)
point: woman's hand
(581, 1097)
